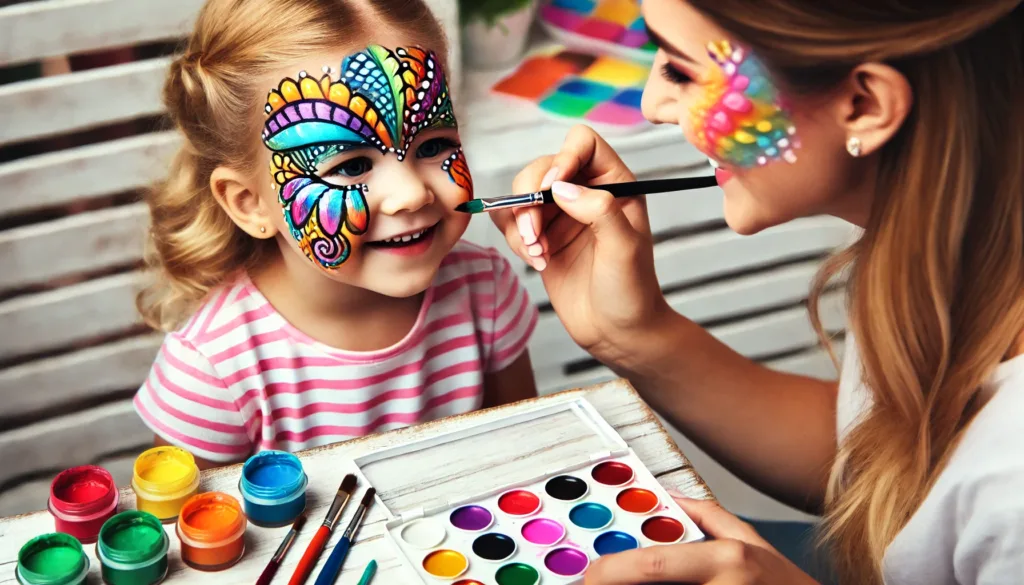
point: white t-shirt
(970, 528)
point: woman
(905, 118)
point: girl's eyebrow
(660, 42)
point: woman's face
(366, 167)
(779, 157)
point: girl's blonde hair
(935, 284)
(214, 94)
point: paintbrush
(616, 189)
(332, 567)
(316, 546)
(268, 574)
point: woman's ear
(238, 196)
(877, 102)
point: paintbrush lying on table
(616, 189)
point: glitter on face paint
(742, 120)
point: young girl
(904, 118)
(308, 228)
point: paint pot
(472, 518)
(211, 528)
(663, 530)
(517, 574)
(81, 500)
(132, 549)
(424, 534)
(468, 582)
(613, 542)
(567, 562)
(566, 488)
(446, 564)
(590, 516)
(273, 487)
(163, 478)
(52, 559)
(613, 473)
(519, 503)
(494, 547)
(543, 532)
(637, 501)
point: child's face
(780, 158)
(366, 167)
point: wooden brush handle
(309, 558)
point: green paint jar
(132, 549)
(52, 559)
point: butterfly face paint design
(382, 98)
(742, 120)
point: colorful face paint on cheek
(742, 120)
(458, 170)
(382, 99)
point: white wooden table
(616, 401)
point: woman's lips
(722, 176)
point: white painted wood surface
(48, 28)
(616, 402)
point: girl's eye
(353, 167)
(674, 75)
(434, 147)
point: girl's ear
(874, 104)
(238, 196)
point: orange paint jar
(211, 528)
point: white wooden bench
(72, 348)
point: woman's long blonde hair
(935, 284)
(214, 94)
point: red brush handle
(309, 558)
(268, 574)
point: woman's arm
(512, 384)
(775, 430)
(203, 464)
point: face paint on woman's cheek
(742, 119)
(458, 171)
(382, 99)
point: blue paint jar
(273, 488)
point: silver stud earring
(853, 146)
(263, 230)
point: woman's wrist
(651, 350)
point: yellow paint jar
(163, 479)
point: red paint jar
(81, 500)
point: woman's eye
(434, 147)
(674, 75)
(352, 168)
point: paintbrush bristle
(474, 206)
(299, 522)
(348, 484)
(368, 497)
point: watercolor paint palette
(528, 499)
(613, 27)
(602, 91)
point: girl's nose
(404, 190)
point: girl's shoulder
(225, 308)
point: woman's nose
(404, 190)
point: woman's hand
(736, 556)
(595, 252)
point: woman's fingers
(698, 562)
(585, 157)
(716, 522)
(601, 212)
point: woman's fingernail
(676, 494)
(566, 191)
(539, 264)
(535, 250)
(549, 178)
(526, 229)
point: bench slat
(34, 30)
(79, 101)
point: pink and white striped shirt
(237, 378)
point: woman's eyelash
(674, 75)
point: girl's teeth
(404, 239)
